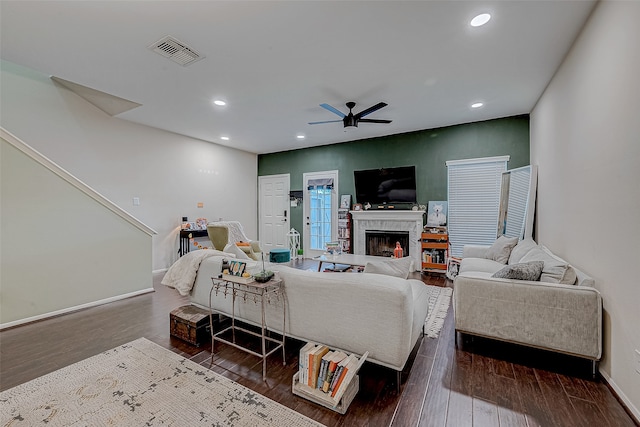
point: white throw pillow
(501, 249)
(556, 270)
(231, 248)
(521, 249)
(398, 267)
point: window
(474, 201)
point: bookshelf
(344, 230)
(435, 250)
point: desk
(184, 239)
(253, 291)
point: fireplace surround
(391, 221)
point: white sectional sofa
(354, 312)
(545, 313)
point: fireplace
(389, 220)
(382, 243)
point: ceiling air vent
(176, 51)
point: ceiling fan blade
(370, 110)
(373, 121)
(326, 121)
(333, 110)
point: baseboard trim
(635, 413)
(72, 309)
(162, 270)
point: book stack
(327, 373)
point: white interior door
(320, 211)
(273, 211)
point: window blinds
(474, 199)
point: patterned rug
(136, 384)
(439, 300)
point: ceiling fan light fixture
(350, 121)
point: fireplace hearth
(382, 243)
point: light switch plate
(637, 361)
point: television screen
(391, 185)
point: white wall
(122, 160)
(50, 262)
(585, 139)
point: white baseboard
(162, 270)
(627, 402)
(74, 308)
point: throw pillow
(524, 271)
(231, 248)
(521, 249)
(398, 267)
(501, 249)
(555, 270)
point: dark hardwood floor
(479, 383)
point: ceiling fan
(352, 120)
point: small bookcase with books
(328, 378)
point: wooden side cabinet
(435, 251)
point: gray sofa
(561, 311)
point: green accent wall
(427, 150)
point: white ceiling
(274, 62)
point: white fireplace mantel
(389, 220)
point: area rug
(439, 300)
(136, 384)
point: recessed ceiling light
(480, 20)
(219, 102)
(477, 104)
(224, 138)
(300, 136)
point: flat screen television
(387, 185)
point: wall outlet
(637, 353)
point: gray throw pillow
(524, 271)
(398, 267)
(501, 249)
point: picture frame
(236, 268)
(201, 223)
(345, 201)
(437, 213)
(357, 207)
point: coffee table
(347, 259)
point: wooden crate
(191, 324)
(325, 400)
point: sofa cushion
(521, 249)
(501, 249)
(555, 270)
(398, 267)
(479, 265)
(523, 271)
